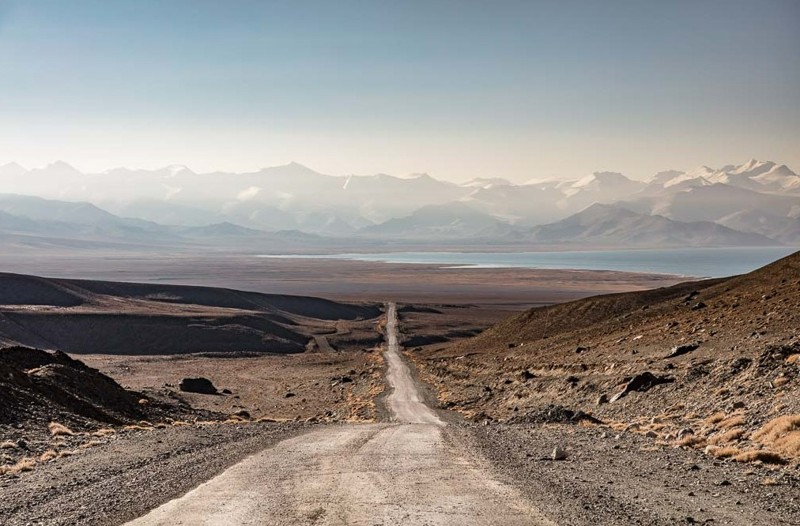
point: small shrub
(722, 452)
(691, 441)
(715, 418)
(25, 464)
(781, 434)
(50, 454)
(57, 429)
(727, 437)
(767, 457)
(734, 421)
(104, 432)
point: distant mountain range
(754, 204)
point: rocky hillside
(711, 364)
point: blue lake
(700, 262)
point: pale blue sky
(455, 88)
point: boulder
(642, 382)
(197, 385)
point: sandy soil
(321, 386)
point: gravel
(614, 479)
(122, 479)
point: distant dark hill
(128, 318)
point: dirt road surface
(410, 471)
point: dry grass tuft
(781, 434)
(691, 441)
(727, 437)
(8, 444)
(91, 443)
(67, 453)
(769, 481)
(733, 421)
(25, 464)
(793, 358)
(104, 432)
(50, 454)
(57, 429)
(179, 423)
(767, 457)
(715, 418)
(137, 427)
(722, 452)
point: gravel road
(410, 471)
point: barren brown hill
(712, 364)
(127, 318)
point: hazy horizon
(454, 89)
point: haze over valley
(292, 207)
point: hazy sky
(458, 88)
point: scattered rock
(642, 382)
(558, 453)
(241, 413)
(680, 350)
(288, 394)
(553, 414)
(699, 305)
(602, 399)
(197, 385)
(227, 391)
(651, 434)
(527, 375)
(686, 431)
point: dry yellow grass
(727, 437)
(179, 423)
(91, 443)
(723, 452)
(104, 432)
(793, 358)
(57, 429)
(8, 444)
(769, 481)
(767, 457)
(691, 441)
(733, 421)
(67, 453)
(715, 418)
(25, 464)
(781, 434)
(50, 454)
(137, 427)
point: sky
(458, 89)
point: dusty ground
(614, 478)
(323, 386)
(125, 474)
